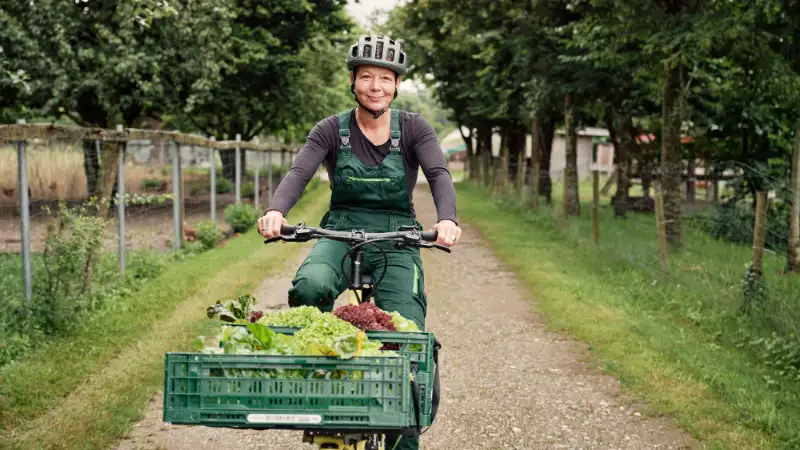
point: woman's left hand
(449, 233)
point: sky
(361, 10)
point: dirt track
(507, 382)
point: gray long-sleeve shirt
(419, 146)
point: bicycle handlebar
(410, 236)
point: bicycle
(361, 287)
(339, 403)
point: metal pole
(212, 153)
(269, 176)
(176, 191)
(24, 217)
(121, 204)
(255, 180)
(238, 169)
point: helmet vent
(379, 50)
(390, 55)
(367, 51)
(354, 51)
(402, 58)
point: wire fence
(731, 276)
(172, 183)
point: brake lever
(426, 244)
(441, 247)
(280, 238)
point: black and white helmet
(381, 51)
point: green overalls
(375, 199)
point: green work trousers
(320, 278)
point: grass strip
(85, 390)
(668, 338)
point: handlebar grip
(430, 236)
(288, 229)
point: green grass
(85, 390)
(670, 338)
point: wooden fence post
(662, 229)
(596, 205)
(212, 172)
(121, 202)
(565, 199)
(760, 233)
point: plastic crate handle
(415, 396)
(436, 388)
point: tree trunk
(478, 156)
(475, 162)
(622, 159)
(794, 214)
(519, 177)
(691, 194)
(228, 158)
(545, 152)
(536, 150)
(632, 148)
(485, 142)
(516, 154)
(646, 174)
(671, 153)
(573, 198)
(109, 177)
(91, 165)
(500, 173)
(470, 151)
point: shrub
(734, 221)
(208, 233)
(150, 184)
(224, 185)
(145, 264)
(241, 217)
(248, 189)
(72, 278)
(73, 245)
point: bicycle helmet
(376, 50)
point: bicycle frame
(359, 283)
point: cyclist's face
(375, 86)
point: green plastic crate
(417, 346)
(257, 391)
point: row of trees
(725, 73)
(216, 67)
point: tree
(286, 72)
(107, 63)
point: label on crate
(284, 418)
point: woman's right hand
(270, 224)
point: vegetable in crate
(298, 317)
(237, 310)
(327, 335)
(402, 324)
(366, 316)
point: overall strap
(344, 128)
(395, 130)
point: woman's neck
(368, 122)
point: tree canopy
(714, 82)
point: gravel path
(507, 382)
